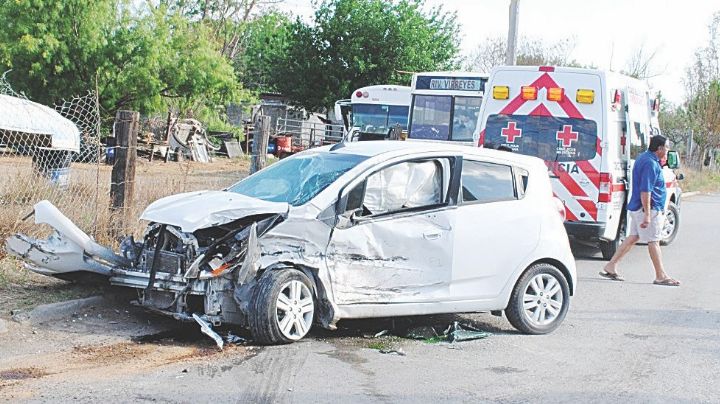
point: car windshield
(298, 179)
(547, 137)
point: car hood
(198, 210)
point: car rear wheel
(283, 307)
(672, 224)
(539, 301)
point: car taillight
(560, 206)
(606, 181)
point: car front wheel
(539, 301)
(283, 307)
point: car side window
(402, 186)
(483, 182)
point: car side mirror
(680, 177)
(347, 218)
(673, 160)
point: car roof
(392, 148)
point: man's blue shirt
(647, 177)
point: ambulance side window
(483, 182)
(638, 136)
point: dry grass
(86, 201)
(22, 289)
(701, 181)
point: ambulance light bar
(529, 92)
(501, 92)
(585, 96)
(555, 94)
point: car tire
(672, 224)
(608, 248)
(282, 307)
(541, 286)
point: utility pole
(510, 58)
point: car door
(394, 242)
(495, 228)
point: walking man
(646, 211)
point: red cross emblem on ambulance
(511, 132)
(566, 135)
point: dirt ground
(117, 340)
(99, 344)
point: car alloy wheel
(540, 300)
(294, 310)
(543, 300)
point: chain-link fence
(35, 165)
(79, 183)
(161, 169)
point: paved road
(627, 342)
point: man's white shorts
(654, 230)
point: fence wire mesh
(79, 184)
(33, 170)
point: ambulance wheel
(609, 247)
(672, 224)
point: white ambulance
(588, 126)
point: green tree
(55, 47)
(703, 94)
(143, 57)
(263, 44)
(354, 43)
(674, 122)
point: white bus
(372, 111)
(446, 105)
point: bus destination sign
(450, 83)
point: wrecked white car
(359, 230)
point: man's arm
(645, 200)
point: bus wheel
(609, 247)
(672, 224)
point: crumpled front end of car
(203, 258)
(179, 273)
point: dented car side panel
(396, 259)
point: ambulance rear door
(556, 114)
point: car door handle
(431, 236)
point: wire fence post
(122, 185)
(261, 137)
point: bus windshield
(431, 117)
(432, 114)
(379, 119)
(547, 137)
(465, 117)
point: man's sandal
(612, 277)
(667, 282)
